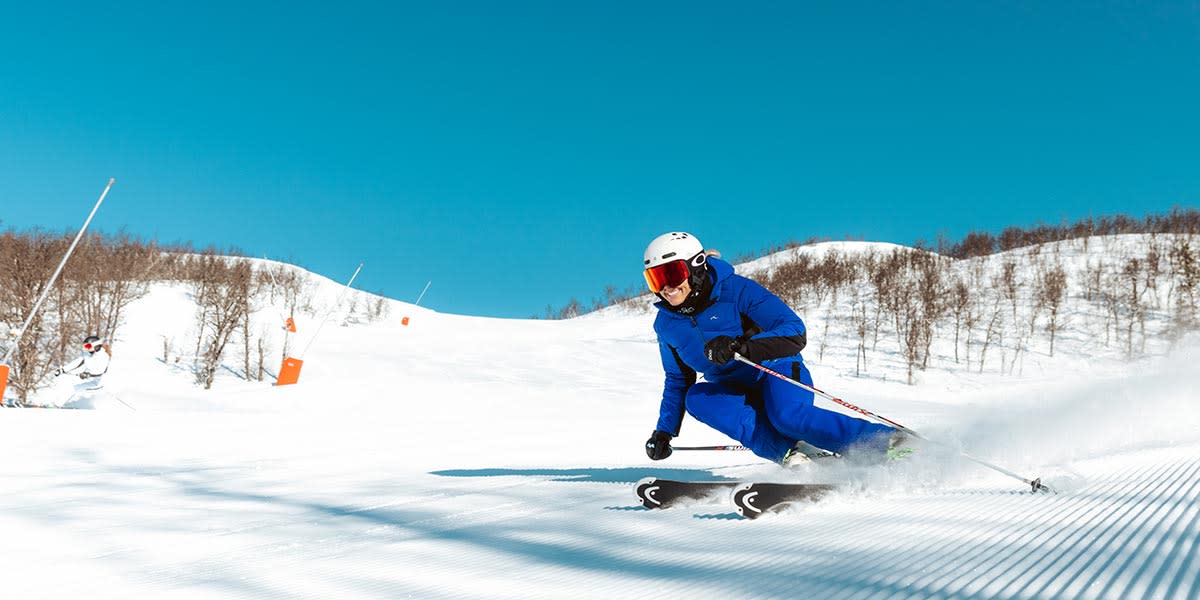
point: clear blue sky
(522, 153)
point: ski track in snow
(1127, 533)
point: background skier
(708, 313)
(91, 365)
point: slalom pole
(427, 284)
(1035, 484)
(336, 304)
(50, 284)
(289, 371)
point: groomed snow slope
(462, 457)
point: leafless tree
(1133, 302)
(262, 356)
(108, 277)
(224, 298)
(28, 261)
(1110, 299)
(1052, 291)
(246, 338)
(894, 288)
(861, 328)
(912, 337)
(960, 307)
(994, 331)
(380, 308)
(931, 291)
(573, 309)
(1152, 269)
(1010, 285)
(883, 276)
(1185, 279)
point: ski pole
(1035, 484)
(732, 447)
(123, 402)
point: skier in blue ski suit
(723, 313)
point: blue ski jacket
(737, 306)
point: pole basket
(289, 373)
(3, 380)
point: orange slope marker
(3, 380)
(289, 372)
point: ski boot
(900, 446)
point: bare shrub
(222, 291)
(961, 305)
(1132, 300)
(29, 259)
(858, 314)
(1185, 268)
(1051, 293)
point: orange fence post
(289, 373)
(3, 380)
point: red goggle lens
(671, 274)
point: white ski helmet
(673, 258)
(92, 343)
(672, 246)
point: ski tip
(645, 490)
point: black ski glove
(658, 446)
(721, 349)
(58, 372)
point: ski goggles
(671, 274)
(90, 346)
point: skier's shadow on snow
(594, 475)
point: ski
(654, 493)
(752, 500)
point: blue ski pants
(787, 415)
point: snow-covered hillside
(464, 457)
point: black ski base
(753, 500)
(653, 492)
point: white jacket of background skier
(89, 367)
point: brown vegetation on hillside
(107, 273)
(989, 312)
